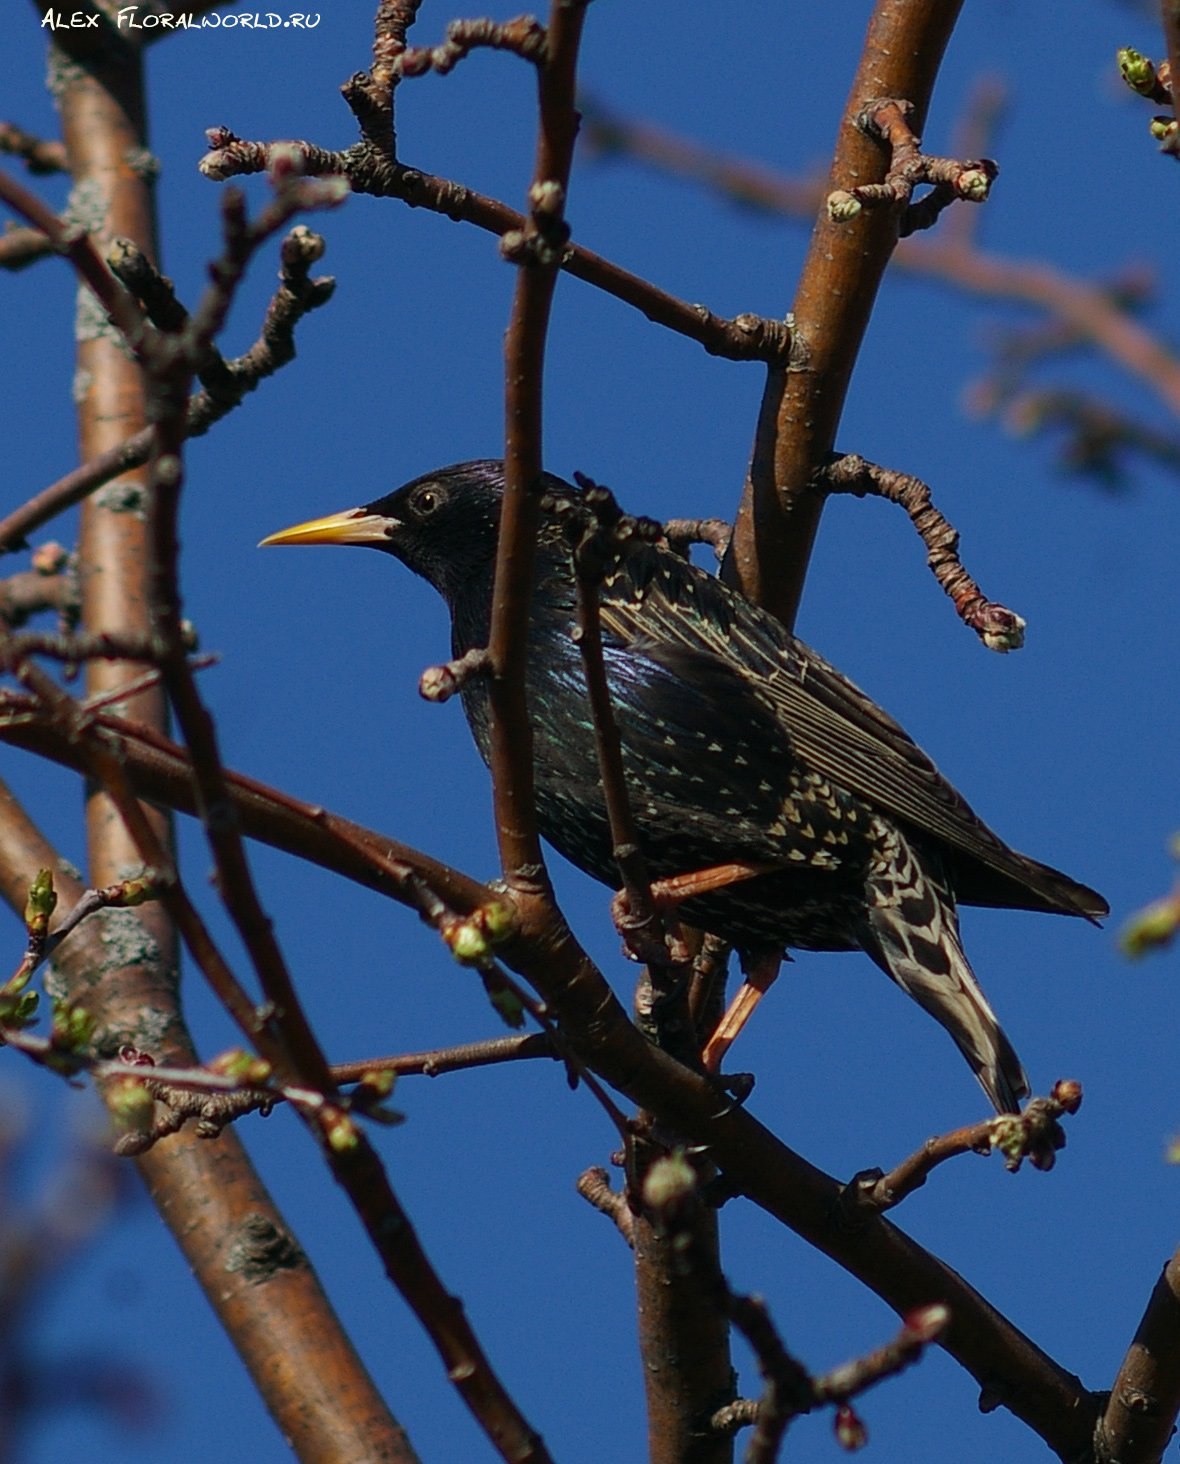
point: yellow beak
(352, 526)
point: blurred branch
(50, 584)
(1098, 439)
(951, 257)
(20, 247)
(38, 154)
(1156, 925)
(288, 1323)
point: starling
(739, 744)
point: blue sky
(1067, 748)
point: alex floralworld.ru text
(129, 18)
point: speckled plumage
(739, 743)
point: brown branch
(683, 1323)
(76, 245)
(538, 251)
(595, 1188)
(801, 408)
(20, 247)
(288, 1324)
(1035, 1134)
(601, 535)
(456, 1059)
(440, 683)
(670, 1192)
(886, 120)
(283, 1034)
(279, 1035)
(297, 295)
(998, 628)
(746, 337)
(755, 1163)
(38, 154)
(51, 584)
(951, 257)
(524, 37)
(1140, 1416)
(715, 532)
(753, 1160)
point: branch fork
(886, 120)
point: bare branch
(998, 628)
(297, 295)
(1035, 1134)
(595, 1188)
(38, 154)
(1140, 1415)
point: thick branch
(801, 408)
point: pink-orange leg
(682, 887)
(763, 972)
(666, 895)
(761, 976)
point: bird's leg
(643, 940)
(681, 887)
(760, 977)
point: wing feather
(833, 726)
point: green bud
(469, 945)
(342, 1134)
(973, 185)
(1151, 928)
(72, 1027)
(1137, 70)
(842, 206)
(498, 921)
(18, 1008)
(379, 1081)
(41, 903)
(508, 1005)
(669, 1181)
(130, 1103)
(242, 1066)
(1009, 1137)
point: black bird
(739, 743)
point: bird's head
(443, 525)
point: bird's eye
(426, 501)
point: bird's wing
(833, 726)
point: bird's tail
(912, 932)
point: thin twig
(999, 628)
(39, 155)
(537, 250)
(745, 337)
(297, 295)
(1035, 1134)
